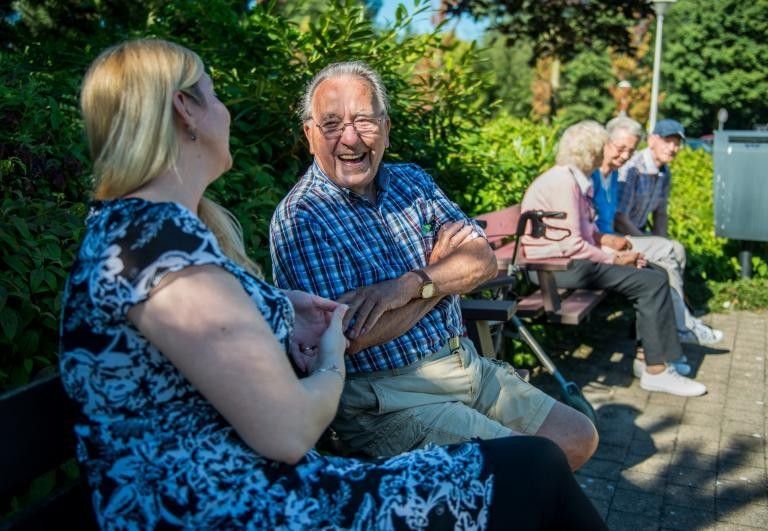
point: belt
(449, 347)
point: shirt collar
(382, 181)
(585, 184)
(650, 166)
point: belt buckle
(454, 343)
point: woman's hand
(313, 315)
(333, 343)
(630, 258)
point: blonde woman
(181, 356)
(604, 261)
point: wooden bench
(38, 436)
(571, 307)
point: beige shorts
(451, 396)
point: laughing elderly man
(385, 240)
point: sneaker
(671, 382)
(682, 368)
(700, 334)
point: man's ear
(387, 127)
(308, 134)
(181, 105)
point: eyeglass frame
(344, 125)
(629, 151)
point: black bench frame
(38, 436)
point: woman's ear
(186, 119)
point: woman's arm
(204, 322)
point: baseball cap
(668, 128)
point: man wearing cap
(644, 185)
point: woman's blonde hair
(127, 106)
(582, 145)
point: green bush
(499, 161)
(711, 259)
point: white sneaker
(682, 368)
(700, 334)
(669, 381)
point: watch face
(428, 290)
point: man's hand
(313, 314)
(450, 237)
(368, 304)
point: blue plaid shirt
(643, 188)
(329, 240)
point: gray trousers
(647, 288)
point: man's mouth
(352, 158)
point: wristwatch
(427, 290)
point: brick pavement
(667, 462)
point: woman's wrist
(333, 368)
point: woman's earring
(192, 135)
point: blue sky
(466, 28)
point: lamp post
(623, 88)
(660, 7)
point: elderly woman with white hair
(603, 261)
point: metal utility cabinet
(741, 189)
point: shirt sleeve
(626, 190)
(665, 190)
(446, 211)
(304, 258)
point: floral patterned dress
(156, 453)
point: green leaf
(8, 322)
(36, 278)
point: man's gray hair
(344, 69)
(623, 125)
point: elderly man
(643, 191)
(384, 239)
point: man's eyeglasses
(363, 126)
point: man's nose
(349, 134)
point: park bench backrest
(500, 226)
(37, 421)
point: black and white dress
(156, 453)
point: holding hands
(317, 329)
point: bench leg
(480, 334)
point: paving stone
(691, 497)
(602, 507)
(678, 517)
(611, 452)
(691, 477)
(738, 490)
(632, 501)
(623, 521)
(734, 457)
(699, 433)
(657, 464)
(739, 513)
(639, 481)
(687, 458)
(596, 488)
(601, 468)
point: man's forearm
(623, 225)
(393, 324)
(463, 270)
(660, 224)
